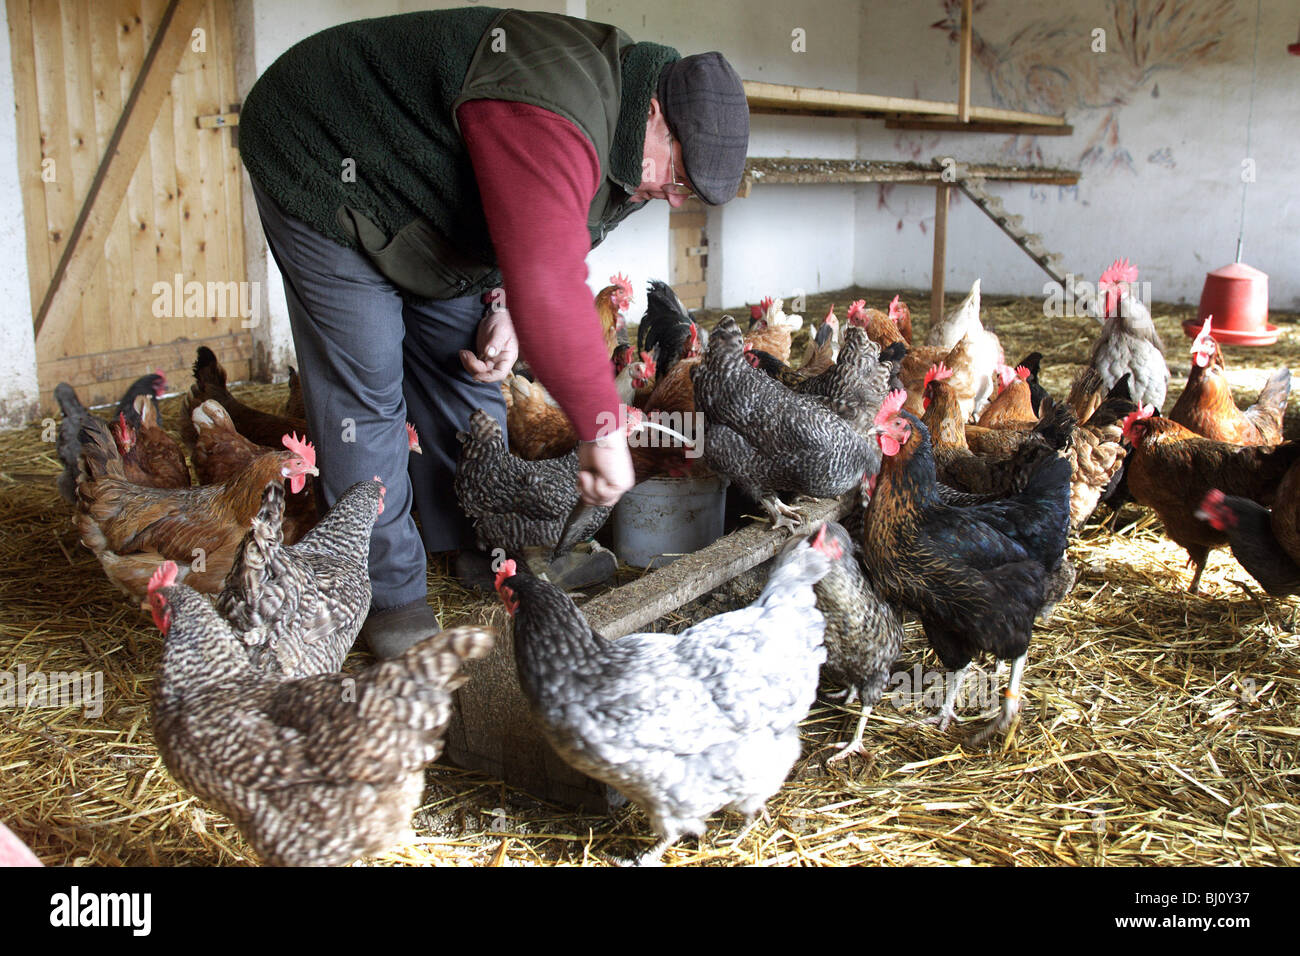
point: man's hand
(497, 349)
(604, 470)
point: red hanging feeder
(1237, 298)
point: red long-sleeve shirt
(537, 175)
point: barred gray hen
(683, 725)
(298, 608)
(856, 384)
(864, 632)
(515, 504)
(315, 771)
(769, 440)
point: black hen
(154, 385)
(665, 327)
(976, 576)
(69, 439)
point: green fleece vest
(354, 131)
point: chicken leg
(782, 515)
(949, 709)
(1010, 705)
(854, 746)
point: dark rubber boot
(391, 631)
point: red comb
(301, 447)
(164, 577)
(896, 308)
(890, 406)
(508, 570)
(830, 548)
(830, 313)
(1120, 271)
(1205, 329)
(1023, 373)
(413, 438)
(649, 361)
(1136, 416)
(937, 373)
(622, 281)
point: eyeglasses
(676, 187)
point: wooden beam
(805, 171)
(85, 245)
(963, 75)
(781, 98)
(952, 126)
(645, 600)
(940, 242)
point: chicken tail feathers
(1273, 398)
(99, 455)
(208, 372)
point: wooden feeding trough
(493, 732)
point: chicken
(1128, 341)
(1002, 472)
(952, 328)
(1171, 468)
(517, 504)
(976, 576)
(881, 328)
(773, 367)
(262, 428)
(771, 330)
(683, 725)
(1097, 455)
(1032, 363)
(150, 456)
(671, 403)
(823, 347)
(1266, 543)
(316, 770)
(666, 328)
(612, 303)
(854, 386)
(864, 634)
(133, 529)
(220, 453)
(768, 440)
(537, 427)
(1013, 407)
(295, 406)
(68, 440)
(154, 386)
(298, 608)
(634, 377)
(1207, 407)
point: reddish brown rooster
(1207, 407)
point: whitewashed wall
(18, 392)
(1159, 136)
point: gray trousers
(371, 358)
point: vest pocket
(418, 259)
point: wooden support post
(940, 241)
(963, 77)
(130, 138)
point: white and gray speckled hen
(856, 384)
(683, 725)
(298, 608)
(769, 440)
(864, 632)
(1128, 341)
(517, 505)
(315, 771)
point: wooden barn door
(148, 78)
(689, 252)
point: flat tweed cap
(705, 107)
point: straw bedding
(1158, 727)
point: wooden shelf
(794, 171)
(778, 98)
